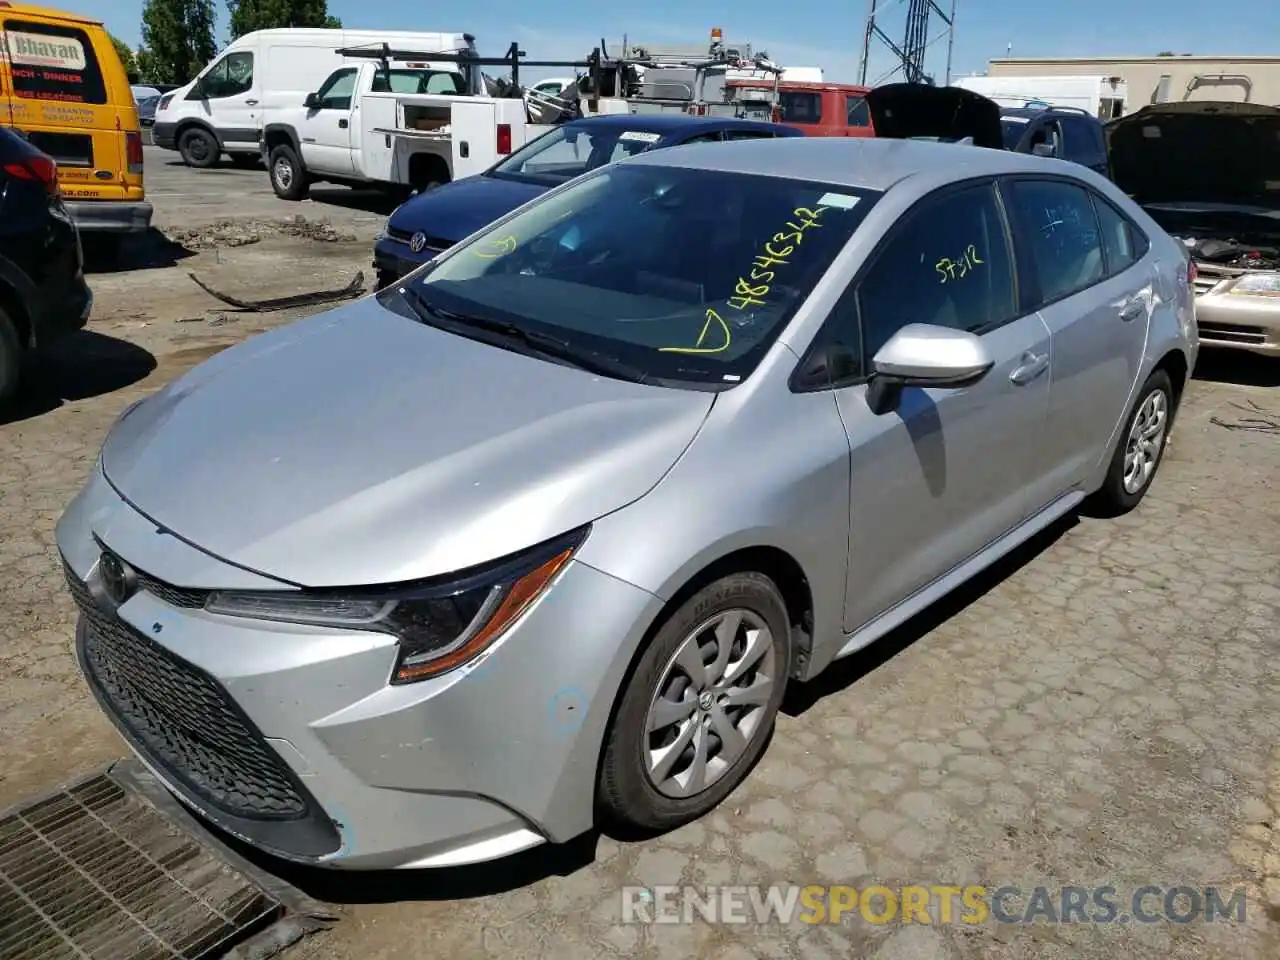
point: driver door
(943, 475)
(326, 127)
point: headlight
(441, 624)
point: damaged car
(1209, 173)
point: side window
(712, 137)
(1049, 134)
(1062, 233)
(52, 63)
(948, 264)
(335, 93)
(1079, 142)
(1123, 243)
(229, 77)
(801, 107)
(859, 114)
(748, 135)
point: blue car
(435, 221)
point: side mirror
(1042, 149)
(312, 102)
(925, 355)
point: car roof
(668, 123)
(868, 163)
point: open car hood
(903, 110)
(1198, 152)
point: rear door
(1084, 266)
(59, 97)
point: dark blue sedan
(435, 221)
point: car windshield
(571, 150)
(680, 274)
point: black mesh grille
(174, 596)
(182, 719)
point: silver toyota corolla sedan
(541, 534)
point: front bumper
(291, 738)
(392, 259)
(164, 135)
(1229, 317)
(110, 216)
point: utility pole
(912, 52)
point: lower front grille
(1232, 333)
(182, 720)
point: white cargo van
(1099, 96)
(225, 108)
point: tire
(1124, 488)
(10, 358)
(198, 148)
(288, 178)
(628, 792)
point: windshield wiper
(544, 343)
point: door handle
(1133, 310)
(342, 124)
(251, 103)
(1032, 365)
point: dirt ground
(1104, 709)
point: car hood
(903, 110)
(1198, 152)
(454, 211)
(361, 447)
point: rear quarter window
(52, 62)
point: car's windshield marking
(697, 347)
(751, 291)
(498, 247)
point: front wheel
(1140, 450)
(288, 179)
(698, 709)
(198, 148)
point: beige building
(1252, 79)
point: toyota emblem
(118, 579)
(417, 242)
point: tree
(177, 37)
(127, 59)
(250, 15)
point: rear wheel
(10, 358)
(198, 148)
(288, 179)
(698, 709)
(1140, 450)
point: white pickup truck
(405, 127)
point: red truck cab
(826, 109)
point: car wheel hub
(710, 703)
(1146, 438)
(284, 173)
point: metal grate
(182, 719)
(95, 873)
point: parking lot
(1102, 711)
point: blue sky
(827, 34)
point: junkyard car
(543, 532)
(1209, 173)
